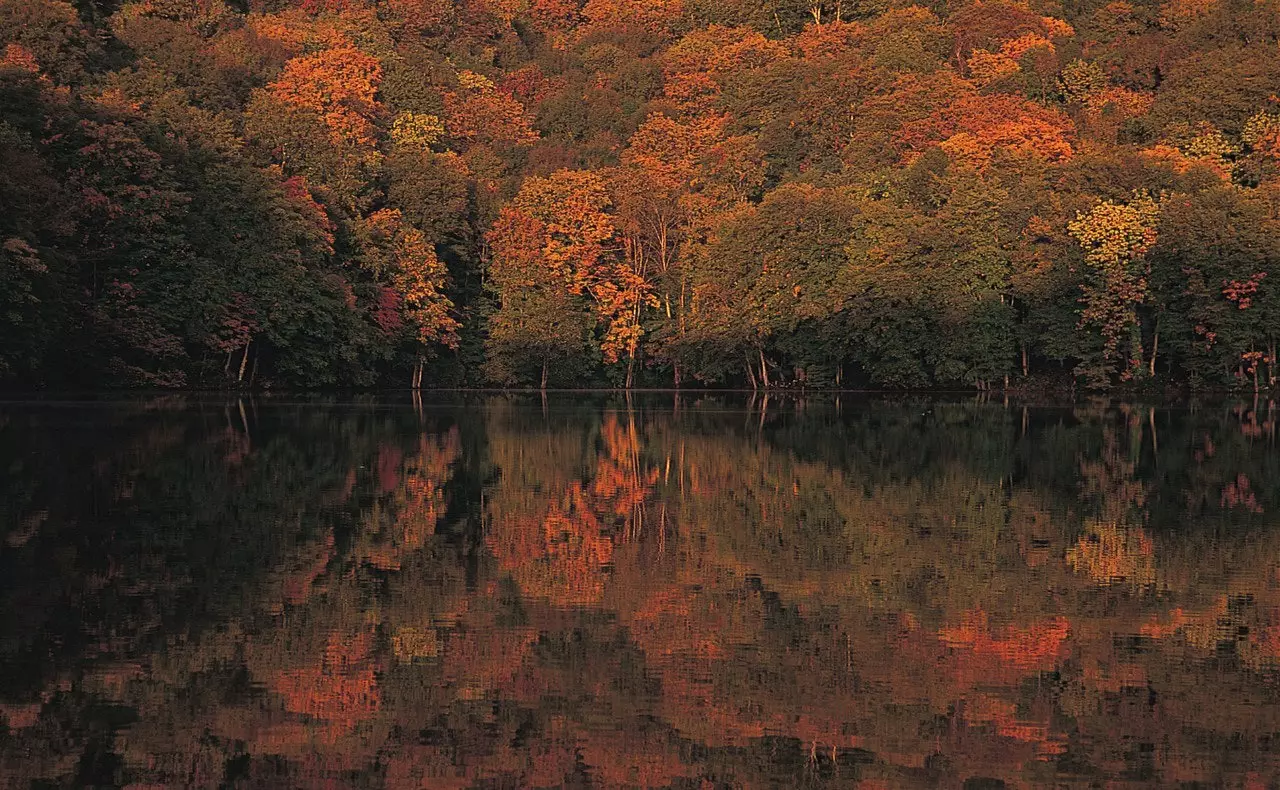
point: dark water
(496, 592)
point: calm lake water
(506, 592)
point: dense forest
(248, 594)
(763, 193)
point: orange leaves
(403, 525)
(696, 159)
(559, 555)
(988, 25)
(561, 224)
(343, 690)
(979, 130)
(341, 86)
(477, 112)
(1122, 101)
(717, 51)
(654, 16)
(1037, 647)
(399, 253)
(20, 58)
(820, 42)
(988, 67)
(572, 205)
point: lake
(709, 591)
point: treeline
(323, 193)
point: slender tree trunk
(543, 386)
(751, 376)
(764, 370)
(1271, 364)
(677, 375)
(631, 371)
(244, 359)
(1135, 347)
(1155, 349)
(1026, 361)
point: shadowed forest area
(503, 592)
(752, 193)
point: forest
(747, 193)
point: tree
(1115, 238)
(562, 224)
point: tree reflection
(497, 594)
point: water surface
(591, 591)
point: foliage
(201, 192)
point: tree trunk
(631, 371)
(1271, 364)
(1155, 349)
(677, 375)
(751, 376)
(543, 386)
(1135, 347)
(764, 370)
(1026, 361)
(244, 359)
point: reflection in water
(600, 593)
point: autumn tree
(1115, 238)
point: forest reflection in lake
(592, 591)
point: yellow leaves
(1115, 554)
(1086, 83)
(1112, 234)
(1262, 134)
(410, 643)
(1176, 14)
(416, 130)
(470, 80)
(1081, 79)
(1114, 237)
